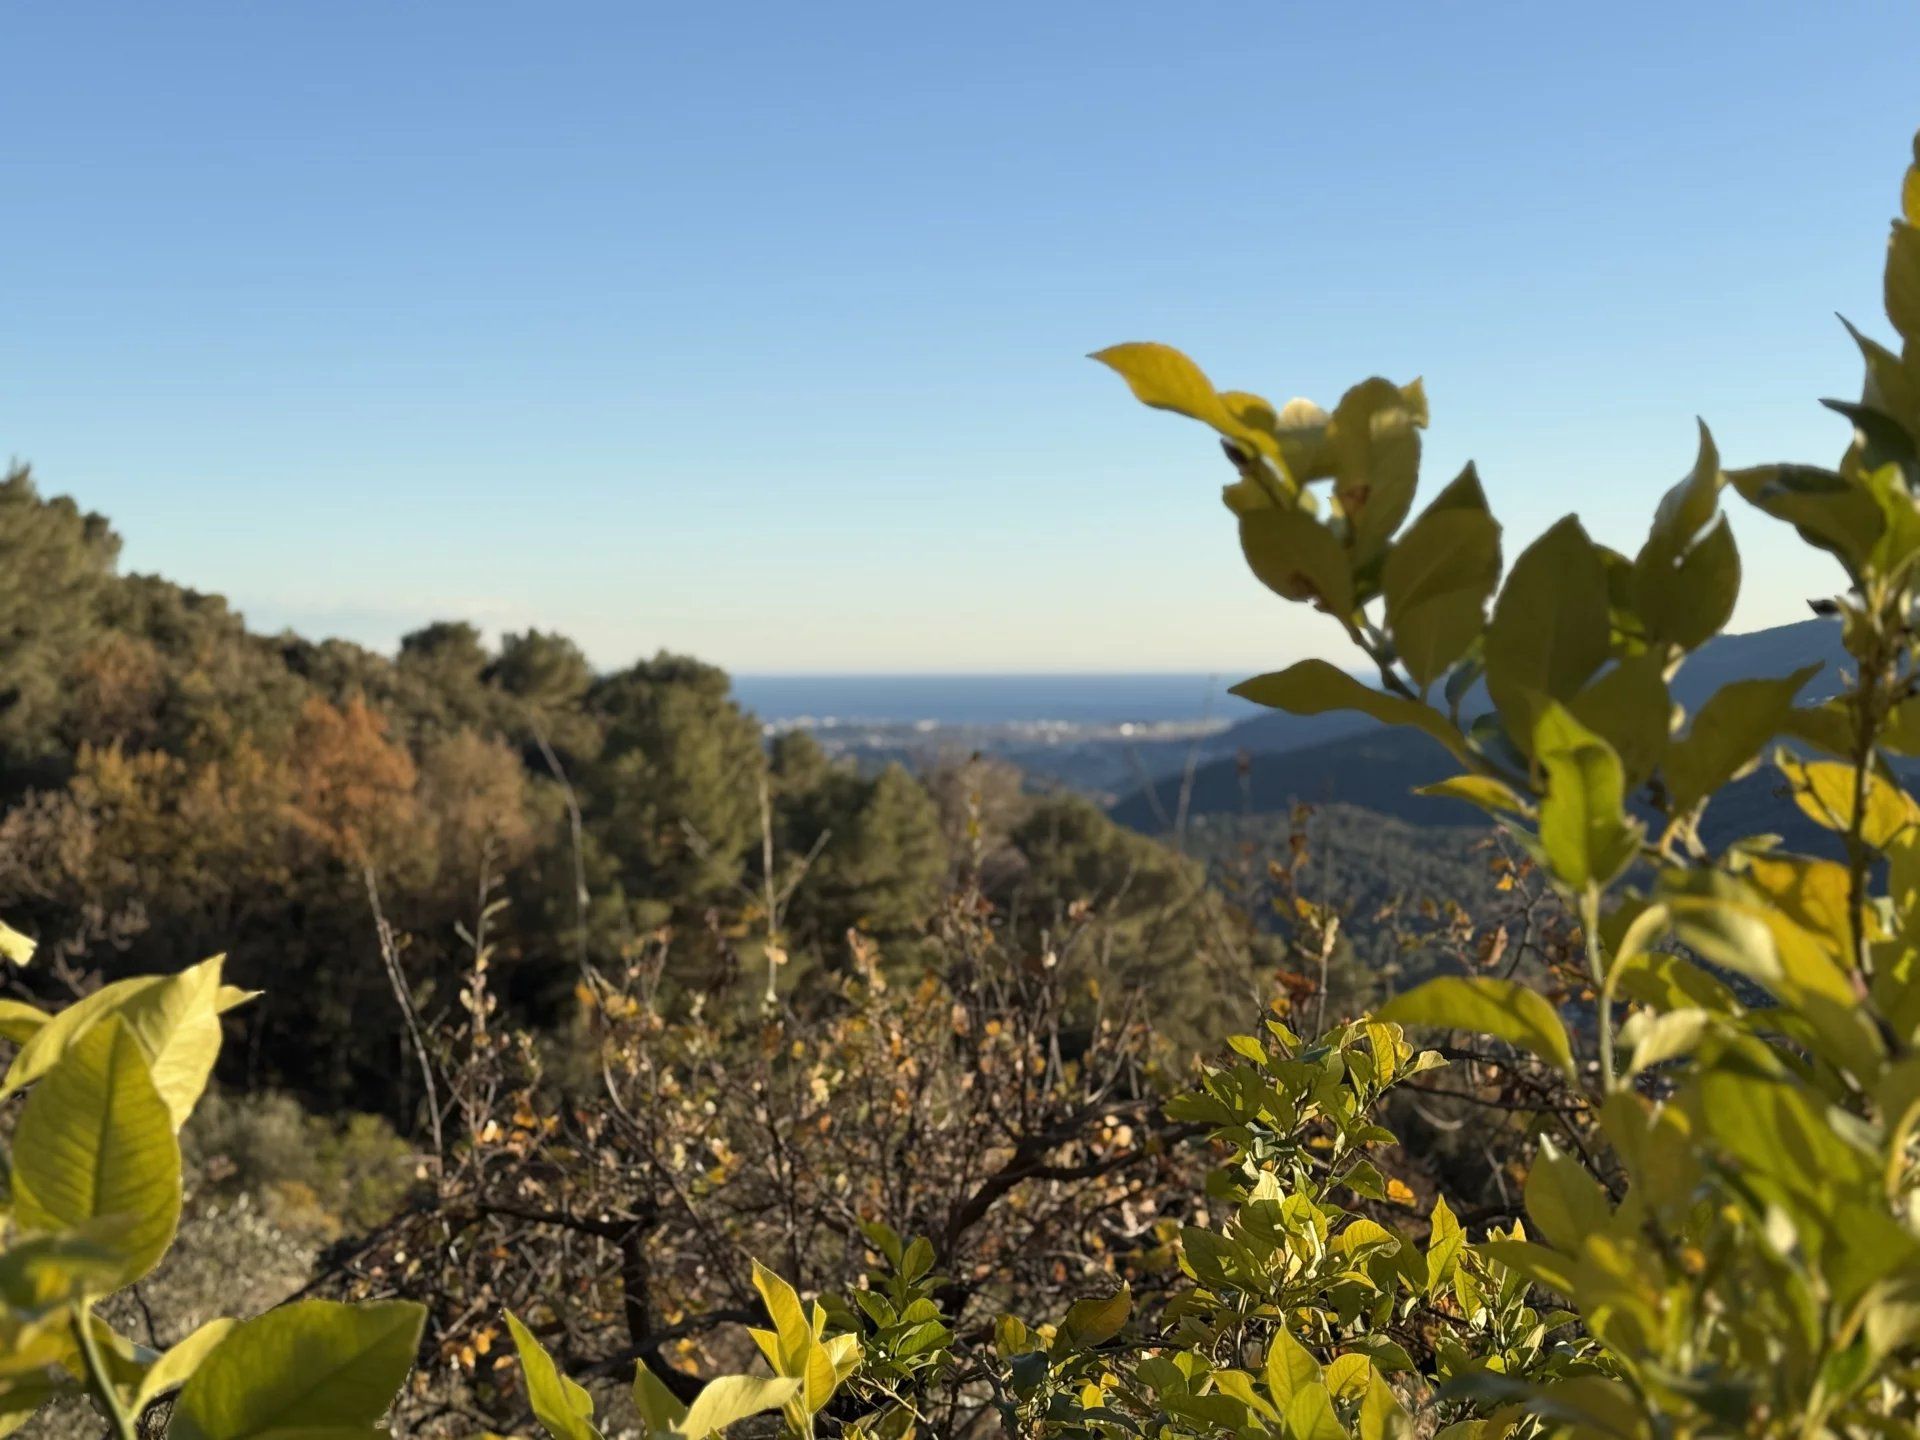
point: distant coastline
(1153, 702)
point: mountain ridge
(1269, 762)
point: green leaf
(1903, 280)
(564, 1409)
(177, 1365)
(1376, 449)
(1728, 734)
(1501, 1008)
(732, 1398)
(1692, 603)
(917, 1259)
(1438, 578)
(658, 1406)
(1685, 582)
(94, 1143)
(1536, 1262)
(1628, 707)
(1313, 687)
(1831, 512)
(1481, 790)
(1563, 1200)
(1890, 387)
(1910, 187)
(1550, 630)
(1584, 828)
(1297, 557)
(1093, 1322)
(307, 1367)
(1444, 1243)
(1689, 507)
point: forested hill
(1266, 764)
(176, 785)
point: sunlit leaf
(95, 1143)
(306, 1367)
(1504, 1009)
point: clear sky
(757, 331)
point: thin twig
(390, 957)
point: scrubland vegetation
(590, 1066)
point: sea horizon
(967, 698)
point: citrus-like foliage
(1722, 1213)
(95, 1197)
(1739, 1247)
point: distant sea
(992, 699)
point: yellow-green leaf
(1444, 1243)
(176, 1020)
(818, 1376)
(1504, 1009)
(732, 1398)
(1563, 1200)
(1349, 1375)
(1536, 1262)
(1289, 1368)
(789, 1317)
(177, 1365)
(1311, 1416)
(43, 1273)
(1381, 1417)
(1655, 1037)
(1824, 791)
(658, 1406)
(94, 1143)
(1829, 510)
(16, 948)
(1903, 280)
(1162, 377)
(19, 1021)
(563, 1408)
(1094, 1322)
(1684, 581)
(1313, 687)
(308, 1367)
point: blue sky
(757, 331)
